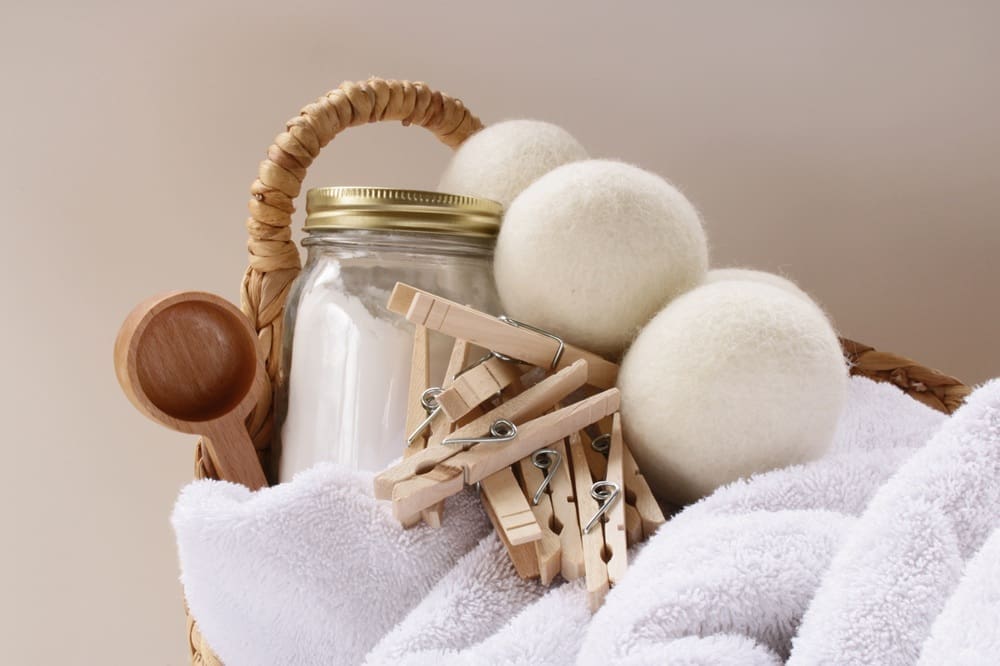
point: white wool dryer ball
(501, 160)
(593, 249)
(751, 275)
(730, 379)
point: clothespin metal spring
(501, 431)
(541, 331)
(607, 493)
(428, 399)
(602, 444)
(547, 460)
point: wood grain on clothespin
(457, 362)
(467, 467)
(415, 412)
(565, 511)
(596, 460)
(593, 542)
(633, 525)
(512, 509)
(548, 548)
(476, 386)
(615, 541)
(639, 495)
(497, 500)
(521, 343)
(420, 381)
(528, 405)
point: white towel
(477, 597)
(898, 567)
(316, 572)
(966, 631)
(310, 572)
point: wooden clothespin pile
(534, 424)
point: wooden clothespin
(565, 511)
(639, 495)
(596, 570)
(599, 467)
(537, 473)
(415, 411)
(513, 339)
(476, 386)
(614, 525)
(601, 511)
(443, 425)
(513, 520)
(642, 512)
(420, 381)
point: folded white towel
(751, 574)
(898, 567)
(967, 631)
(747, 559)
(310, 572)
(316, 571)
(547, 631)
(477, 597)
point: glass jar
(344, 379)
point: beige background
(854, 146)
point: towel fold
(316, 571)
(477, 597)
(901, 563)
(750, 574)
(310, 572)
(967, 631)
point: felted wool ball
(593, 249)
(501, 160)
(751, 275)
(730, 379)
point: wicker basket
(274, 258)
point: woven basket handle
(274, 258)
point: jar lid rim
(360, 207)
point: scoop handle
(232, 452)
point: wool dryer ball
(730, 379)
(500, 161)
(593, 249)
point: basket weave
(274, 258)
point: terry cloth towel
(316, 571)
(897, 569)
(310, 572)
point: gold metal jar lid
(401, 210)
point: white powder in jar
(348, 380)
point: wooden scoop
(188, 360)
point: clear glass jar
(344, 379)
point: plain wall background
(854, 146)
